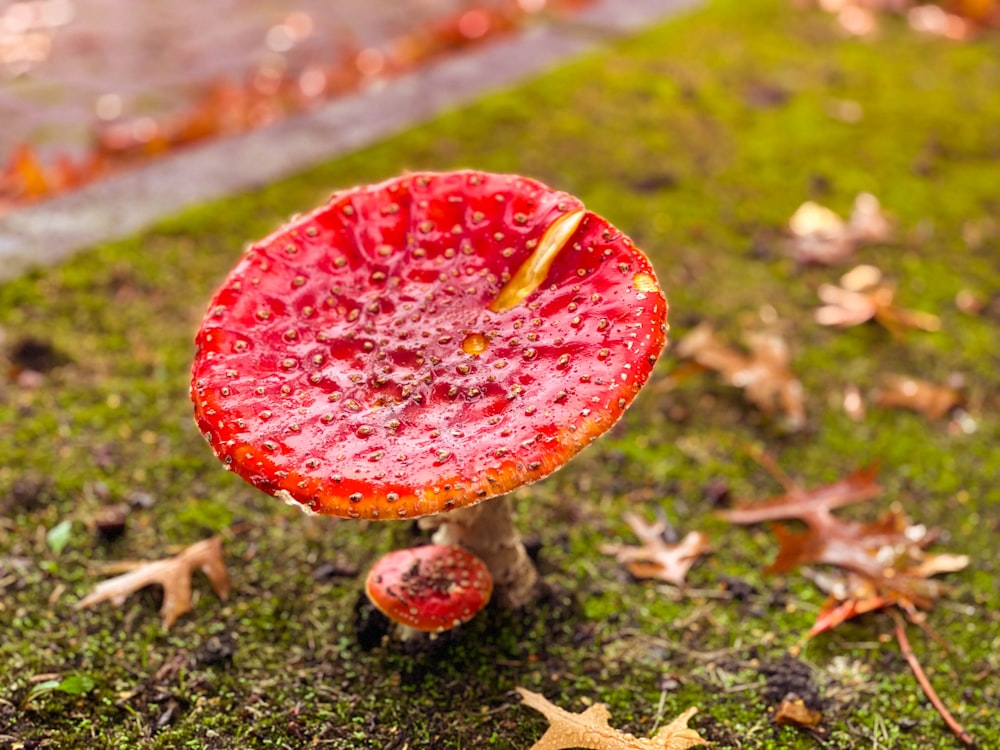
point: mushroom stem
(406, 634)
(488, 530)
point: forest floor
(699, 139)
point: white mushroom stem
(488, 530)
(405, 633)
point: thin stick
(904, 645)
(766, 461)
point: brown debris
(930, 399)
(110, 521)
(820, 236)
(793, 712)
(763, 374)
(655, 558)
(814, 508)
(173, 573)
(863, 296)
(590, 729)
(885, 561)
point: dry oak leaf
(885, 560)
(820, 236)
(173, 573)
(852, 595)
(590, 729)
(656, 558)
(827, 538)
(851, 545)
(863, 296)
(763, 374)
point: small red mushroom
(431, 588)
(422, 345)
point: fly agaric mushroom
(431, 588)
(422, 345)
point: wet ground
(67, 66)
(698, 138)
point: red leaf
(884, 560)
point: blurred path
(125, 202)
(68, 64)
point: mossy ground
(699, 139)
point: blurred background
(88, 84)
(88, 87)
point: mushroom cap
(424, 344)
(433, 588)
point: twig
(904, 646)
(766, 461)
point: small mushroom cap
(424, 344)
(432, 588)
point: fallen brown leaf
(173, 573)
(655, 558)
(793, 712)
(885, 560)
(813, 506)
(763, 374)
(590, 729)
(818, 235)
(933, 19)
(863, 296)
(852, 595)
(868, 223)
(930, 399)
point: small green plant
(76, 684)
(58, 536)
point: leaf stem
(904, 646)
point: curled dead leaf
(818, 235)
(656, 558)
(851, 595)
(863, 295)
(793, 712)
(763, 374)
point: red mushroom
(432, 588)
(425, 344)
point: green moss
(699, 139)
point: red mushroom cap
(432, 588)
(423, 344)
